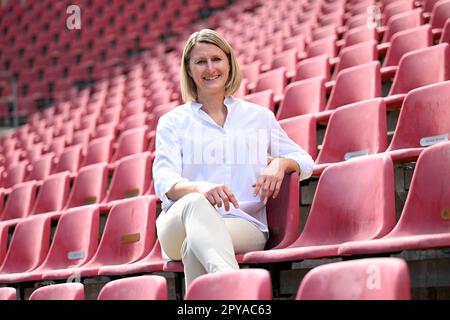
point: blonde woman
(211, 170)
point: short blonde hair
(187, 84)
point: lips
(211, 78)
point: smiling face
(209, 68)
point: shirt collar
(228, 102)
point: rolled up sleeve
(167, 166)
(281, 146)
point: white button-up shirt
(190, 146)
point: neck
(212, 104)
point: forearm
(289, 165)
(181, 189)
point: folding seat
(20, 201)
(401, 22)
(150, 287)
(358, 35)
(403, 42)
(354, 200)
(34, 153)
(81, 137)
(313, 67)
(89, 186)
(134, 121)
(15, 174)
(416, 69)
(41, 167)
(440, 13)
(244, 284)
(283, 219)
(303, 97)
(445, 35)
(57, 146)
(353, 84)
(353, 130)
(325, 46)
(427, 7)
(99, 150)
(61, 291)
(28, 246)
(361, 279)
(394, 8)
(422, 224)
(354, 55)
(275, 80)
(129, 234)
(52, 194)
(263, 98)
(323, 32)
(286, 59)
(302, 130)
(296, 42)
(8, 293)
(131, 177)
(69, 160)
(130, 142)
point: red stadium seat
(62, 291)
(135, 288)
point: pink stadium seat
(303, 97)
(275, 80)
(404, 42)
(251, 72)
(52, 194)
(401, 22)
(325, 46)
(244, 284)
(358, 35)
(353, 130)
(353, 84)
(20, 201)
(262, 98)
(8, 293)
(362, 279)
(99, 150)
(15, 174)
(440, 13)
(318, 66)
(445, 36)
(89, 186)
(62, 291)
(348, 195)
(74, 243)
(286, 59)
(422, 224)
(424, 120)
(41, 168)
(69, 159)
(302, 130)
(131, 177)
(135, 288)
(396, 7)
(130, 142)
(29, 245)
(128, 236)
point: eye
(200, 62)
(217, 59)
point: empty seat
(302, 130)
(318, 66)
(353, 84)
(62, 291)
(423, 121)
(41, 167)
(52, 194)
(74, 243)
(303, 97)
(422, 224)
(130, 142)
(244, 284)
(274, 80)
(402, 21)
(286, 59)
(135, 288)
(354, 130)
(353, 200)
(131, 177)
(262, 98)
(129, 234)
(69, 160)
(8, 293)
(20, 201)
(362, 279)
(99, 150)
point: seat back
(62, 291)
(99, 150)
(361, 279)
(262, 98)
(354, 200)
(318, 66)
(356, 84)
(303, 97)
(244, 284)
(355, 55)
(421, 67)
(302, 130)
(130, 142)
(20, 201)
(403, 21)
(354, 130)
(424, 117)
(52, 193)
(150, 287)
(8, 293)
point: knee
(195, 199)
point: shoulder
(175, 116)
(250, 108)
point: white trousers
(193, 231)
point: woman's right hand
(218, 194)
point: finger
(217, 199)
(231, 197)
(265, 190)
(226, 201)
(258, 185)
(277, 189)
(210, 199)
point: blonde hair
(187, 84)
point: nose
(210, 65)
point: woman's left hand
(269, 182)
